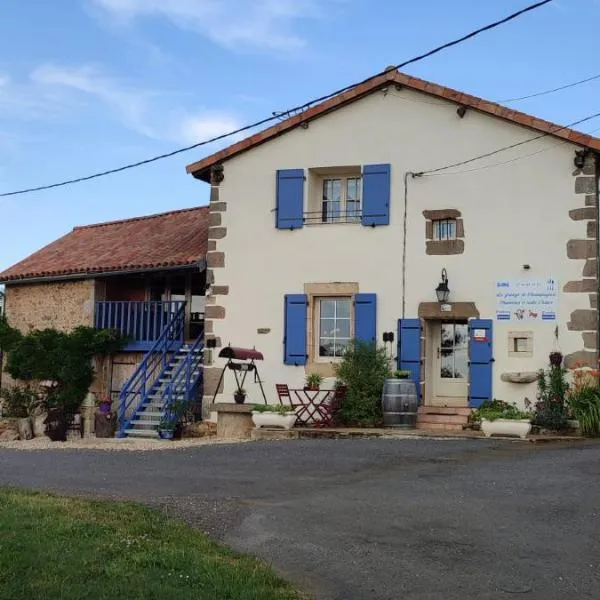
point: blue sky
(87, 85)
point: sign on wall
(526, 299)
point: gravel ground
(369, 518)
(130, 444)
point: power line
(504, 148)
(545, 92)
(301, 107)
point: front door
(450, 363)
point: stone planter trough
(271, 419)
(515, 427)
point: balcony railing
(141, 322)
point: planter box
(271, 419)
(516, 427)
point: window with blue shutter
(376, 195)
(290, 199)
(295, 321)
(409, 349)
(365, 317)
(481, 361)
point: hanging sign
(526, 299)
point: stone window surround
(444, 247)
(514, 335)
(315, 291)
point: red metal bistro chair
(283, 391)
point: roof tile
(172, 239)
(199, 168)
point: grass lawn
(62, 548)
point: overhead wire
(277, 116)
(428, 172)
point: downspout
(404, 233)
(597, 205)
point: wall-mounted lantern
(442, 291)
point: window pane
(328, 327)
(461, 360)
(343, 308)
(334, 326)
(451, 230)
(327, 308)
(353, 189)
(447, 337)
(326, 347)
(461, 335)
(340, 347)
(342, 329)
(436, 230)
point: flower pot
(165, 434)
(516, 427)
(239, 398)
(271, 419)
(555, 359)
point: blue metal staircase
(169, 376)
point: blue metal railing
(139, 322)
(154, 363)
(184, 382)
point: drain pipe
(404, 232)
(597, 203)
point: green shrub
(9, 336)
(363, 370)
(498, 409)
(551, 408)
(280, 409)
(63, 358)
(584, 403)
(19, 402)
(402, 374)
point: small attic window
(444, 229)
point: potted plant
(170, 420)
(273, 415)
(401, 374)
(239, 395)
(501, 418)
(314, 381)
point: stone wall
(585, 250)
(61, 306)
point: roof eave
(78, 276)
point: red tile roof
(173, 239)
(200, 168)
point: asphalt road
(382, 519)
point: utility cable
(504, 148)
(545, 92)
(276, 116)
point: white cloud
(130, 104)
(263, 24)
(141, 110)
(192, 129)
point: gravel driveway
(373, 518)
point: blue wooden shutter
(409, 349)
(294, 342)
(480, 361)
(290, 199)
(365, 317)
(376, 195)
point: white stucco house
(341, 222)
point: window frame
(316, 326)
(444, 230)
(344, 216)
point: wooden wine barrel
(399, 403)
